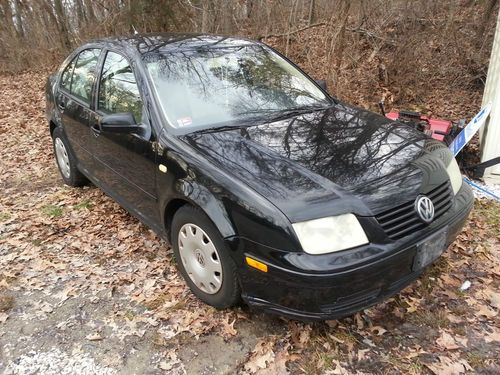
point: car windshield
(207, 88)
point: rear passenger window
(80, 81)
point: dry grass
(6, 302)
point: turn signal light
(256, 264)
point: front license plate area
(430, 249)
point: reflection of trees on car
(326, 142)
(228, 83)
(78, 78)
(118, 91)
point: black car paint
(260, 178)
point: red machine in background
(442, 130)
(445, 131)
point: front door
(125, 162)
(73, 101)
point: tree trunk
(19, 19)
(226, 17)
(488, 11)
(205, 17)
(81, 20)
(311, 13)
(7, 22)
(340, 45)
(89, 10)
(63, 26)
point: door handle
(95, 130)
(61, 106)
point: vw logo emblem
(199, 258)
(424, 208)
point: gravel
(56, 362)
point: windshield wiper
(263, 118)
(216, 129)
(287, 113)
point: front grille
(403, 220)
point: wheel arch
(201, 198)
(52, 126)
(169, 212)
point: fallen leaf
(229, 329)
(332, 323)
(359, 321)
(492, 337)
(454, 319)
(487, 312)
(413, 304)
(261, 356)
(338, 370)
(94, 337)
(379, 331)
(278, 365)
(44, 306)
(362, 354)
(171, 360)
(300, 333)
(449, 366)
(167, 366)
(3, 317)
(446, 341)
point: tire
(200, 253)
(66, 161)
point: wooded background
(84, 285)
(401, 50)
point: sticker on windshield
(184, 121)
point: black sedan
(268, 189)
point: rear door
(74, 100)
(125, 163)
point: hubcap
(62, 158)
(200, 258)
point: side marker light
(256, 264)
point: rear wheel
(203, 258)
(66, 162)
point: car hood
(342, 159)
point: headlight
(330, 234)
(455, 175)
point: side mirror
(119, 123)
(322, 83)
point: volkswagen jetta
(269, 189)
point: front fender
(234, 208)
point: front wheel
(66, 162)
(203, 259)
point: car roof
(169, 42)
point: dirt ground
(85, 288)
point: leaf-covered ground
(86, 288)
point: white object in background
(490, 133)
(466, 285)
(470, 129)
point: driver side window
(118, 90)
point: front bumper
(330, 286)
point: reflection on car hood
(304, 164)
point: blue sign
(470, 129)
